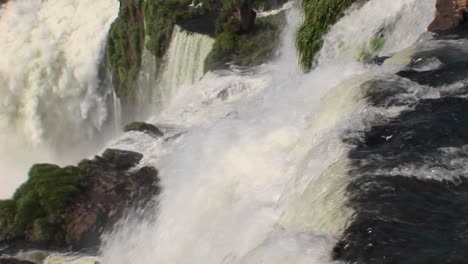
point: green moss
(319, 15)
(7, 214)
(42, 230)
(249, 49)
(133, 126)
(43, 198)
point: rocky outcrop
(449, 14)
(145, 128)
(71, 207)
(246, 15)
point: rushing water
(253, 166)
(351, 163)
(184, 64)
(51, 96)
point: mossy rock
(71, 206)
(121, 159)
(248, 49)
(41, 203)
(143, 127)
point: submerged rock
(71, 207)
(144, 127)
(14, 261)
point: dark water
(409, 188)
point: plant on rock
(319, 15)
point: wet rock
(71, 207)
(144, 127)
(449, 14)
(14, 261)
(246, 15)
(121, 159)
(223, 94)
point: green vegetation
(319, 15)
(162, 15)
(249, 49)
(39, 206)
(127, 35)
(150, 24)
(134, 126)
(125, 46)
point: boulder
(144, 127)
(121, 159)
(449, 14)
(71, 207)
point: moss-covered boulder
(72, 206)
(144, 127)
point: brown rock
(449, 14)
(109, 192)
(110, 186)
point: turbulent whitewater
(254, 167)
(363, 160)
(52, 90)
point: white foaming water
(147, 83)
(50, 96)
(185, 62)
(401, 23)
(256, 173)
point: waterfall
(117, 109)
(184, 64)
(346, 40)
(258, 170)
(50, 91)
(147, 83)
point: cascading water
(346, 40)
(253, 166)
(51, 95)
(185, 62)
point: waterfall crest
(184, 63)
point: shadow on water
(409, 187)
